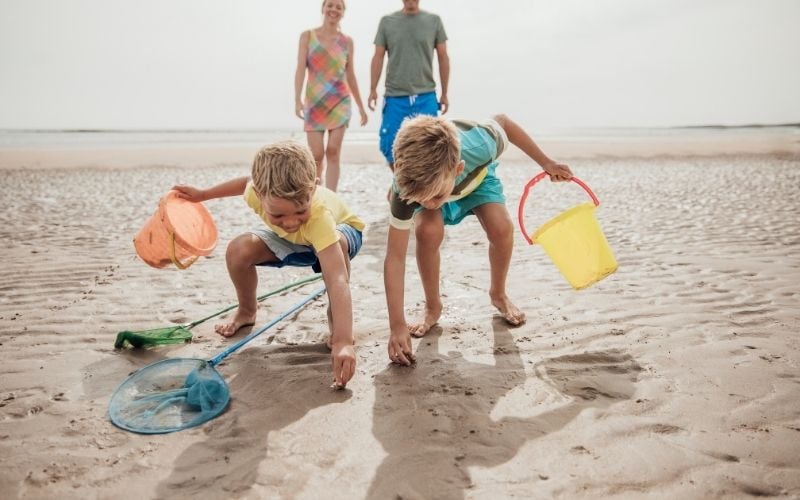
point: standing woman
(327, 53)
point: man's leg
(395, 110)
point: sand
(676, 377)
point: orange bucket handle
(529, 185)
(180, 265)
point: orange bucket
(178, 232)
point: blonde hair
(284, 170)
(344, 5)
(426, 152)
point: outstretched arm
(352, 82)
(444, 75)
(232, 187)
(375, 69)
(394, 270)
(337, 284)
(518, 137)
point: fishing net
(156, 336)
(179, 393)
(169, 395)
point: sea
(83, 139)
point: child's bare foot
(509, 311)
(432, 315)
(240, 320)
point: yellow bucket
(573, 240)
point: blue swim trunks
(291, 254)
(398, 108)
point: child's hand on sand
(400, 347)
(189, 193)
(558, 171)
(343, 359)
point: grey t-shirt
(410, 41)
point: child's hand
(189, 193)
(400, 347)
(343, 359)
(558, 171)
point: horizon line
(296, 131)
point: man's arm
(394, 270)
(518, 137)
(444, 75)
(376, 68)
(334, 273)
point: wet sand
(675, 377)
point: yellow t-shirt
(319, 231)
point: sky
(549, 64)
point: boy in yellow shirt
(306, 225)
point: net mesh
(156, 336)
(169, 395)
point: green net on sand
(178, 334)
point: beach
(678, 376)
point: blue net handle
(276, 291)
(224, 354)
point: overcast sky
(552, 64)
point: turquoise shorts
(488, 191)
(292, 254)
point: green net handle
(276, 291)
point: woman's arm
(352, 82)
(300, 73)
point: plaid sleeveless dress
(327, 104)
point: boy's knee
(500, 231)
(240, 250)
(429, 232)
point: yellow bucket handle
(528, 186)
(174, 258)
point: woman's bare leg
(316, 142)
(333, 157)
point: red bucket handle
(529, 185)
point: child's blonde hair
(426, 151)
(284, 170)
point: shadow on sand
(266, 395)
(434, 420)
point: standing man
(409, 36)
